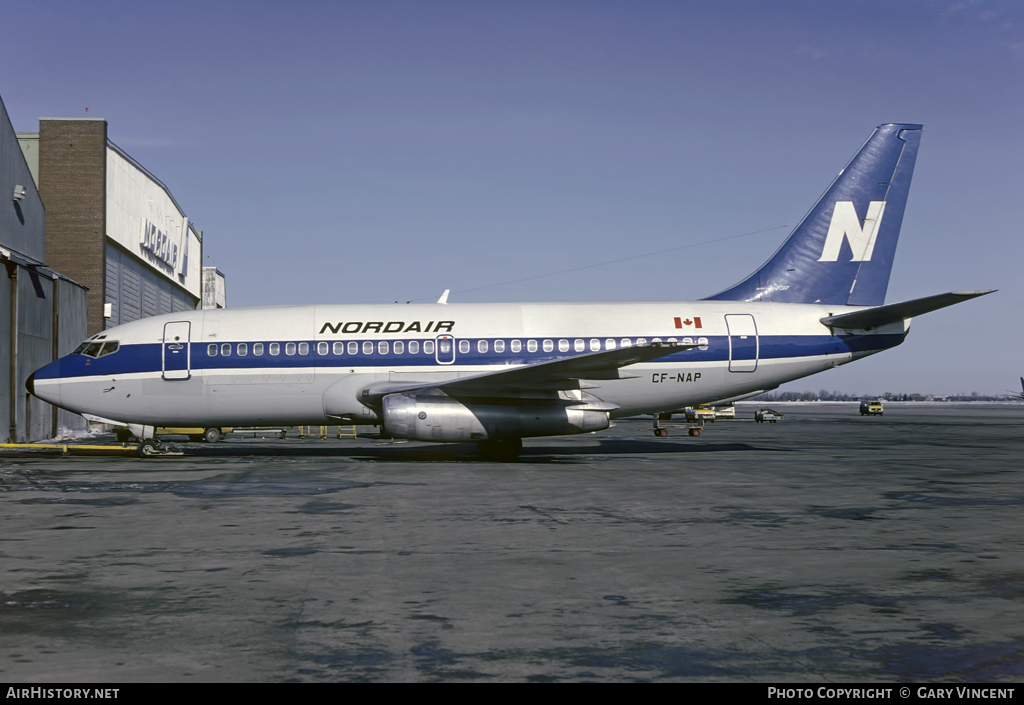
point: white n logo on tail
(845, 223)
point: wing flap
(552, 375)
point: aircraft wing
(552, 375)
(890, 313)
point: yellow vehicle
(196, 434)
(702, 412)
(872, 407)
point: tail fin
(842, 251)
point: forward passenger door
(175, 351)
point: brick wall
(72, 185)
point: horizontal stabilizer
(891, 313)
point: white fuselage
(294, 365)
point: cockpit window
(97, 349)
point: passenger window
(517, 346)
(414, 347)
(481, 346)
(655, 340)
(353, 348)
(368, 348)
(548, 346)
(626, 342)
(531, 346)
(609, 344)
(688, 341)
(703, 343)
(563, 345)
(499, 346)
(257, 349)
(463, 346)
(428, 347)
(225, 349)
(339, 348)
(595, 345)
(382, 347)
(399, 347)
(289, 348)
(275, 348)
(322, 348)
(243, 349)
(303, 348)
(641, 341)
(211, 349)
(578, 345)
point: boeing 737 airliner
(498, 373)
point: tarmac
(829, 547)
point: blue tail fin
(842, 251)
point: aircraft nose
(44, 383)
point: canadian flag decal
(687, 322)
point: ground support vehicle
(195, 434)
(872, 407)
(767, 415)
(725, 412)
(702, 414)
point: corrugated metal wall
(35, 349)
(34, 345)
(136, 291)
(72, 327)
(5, 353)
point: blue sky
(382, 151)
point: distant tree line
(826, 395)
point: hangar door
(743, 343)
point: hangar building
(90, 239)
(42, 311)
(112, 225)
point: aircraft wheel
(149, 448)
(211, 435)
(502, 449)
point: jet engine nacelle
(440, 418)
